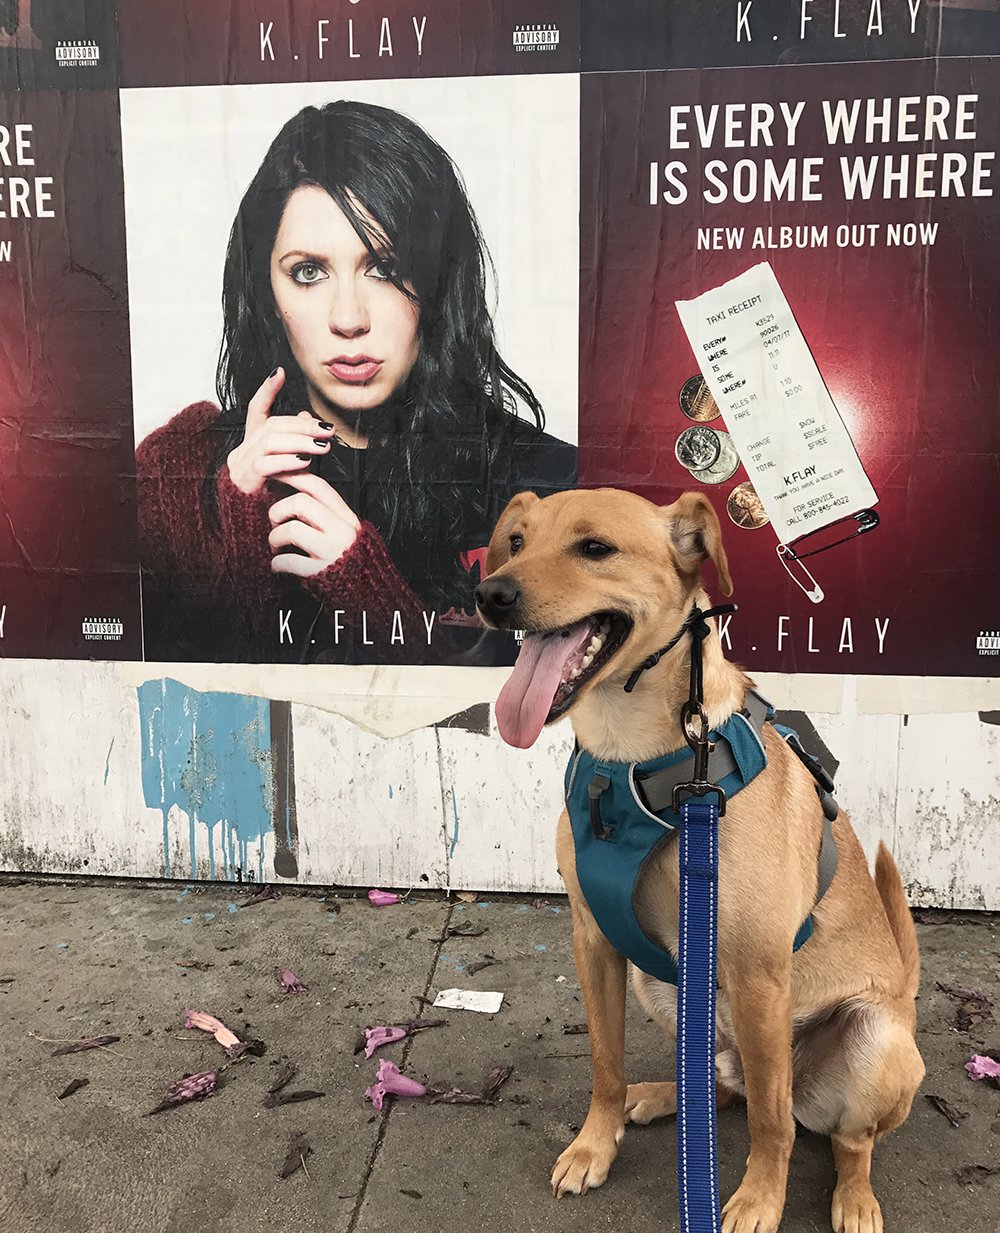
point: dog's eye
(595, 549)
(516, 544)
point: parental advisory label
(988, 642)
(536, 37)
(77, 53)
(102, 629)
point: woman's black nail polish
(304, 457)
(272, 373)
(319, 441)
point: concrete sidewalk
(79, 960)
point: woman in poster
(335, 504)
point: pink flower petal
(201, 1019)
(375, 1094)
(396, 1083)
(290, 981)
(382, 899)
(194, 1087)
(208, 1023)
(979, 1067)
(376, 1037)
(391, 1082)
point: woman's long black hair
(431, 452)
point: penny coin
(696, 400)
(745, 507)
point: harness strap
(657, 788)
(827, 858)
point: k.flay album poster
(354, 324)
(789, 302)
(68, 554)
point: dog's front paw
(856, 1210)
(752, 1210)
(584, 1165)
(645, 1102)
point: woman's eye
(595, 549)
(384, 270)
(516, 544)
(307, 272)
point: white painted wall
(443, 807)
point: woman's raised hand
(316, 520)
(275, 445)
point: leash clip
(697, 738)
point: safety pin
(787, 557)
(866, 519)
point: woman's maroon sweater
(225, 567)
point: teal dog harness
(622, 814)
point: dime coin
(697, 449)
(696, 400)
(709, 455)
(745, 507)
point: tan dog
(826, 1036)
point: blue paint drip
(232, 907)
(107, 760)
(210, 755)
(390, 792)
(540, 947)
(454, 835)
(185, 920)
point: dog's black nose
(497, 596)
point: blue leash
(697, 1148)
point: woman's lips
(354, 371)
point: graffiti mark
(210, 755)
(454, 834)
(286, 825)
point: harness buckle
(697, 738)
(700, 789)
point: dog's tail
(890, 890)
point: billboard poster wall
(784, 270)
(68, 551)
(353, 325)
(295, 297)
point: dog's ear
(696, 534)
(499, 550)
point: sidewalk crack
(387, 1111)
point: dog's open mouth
(551, 669)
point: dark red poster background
(68, 532)
(216, 42)
(904, 337)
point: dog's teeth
(574, 674)
(587, 661)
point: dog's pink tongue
(527, 698)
